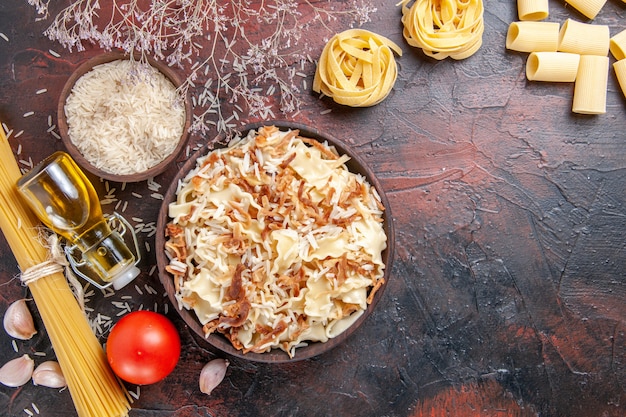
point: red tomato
(143, 347)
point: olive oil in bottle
(65, 201)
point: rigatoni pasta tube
(584, 38)
(552, 66)
(533, 36)
(589, 8)
(532, 9)
(620, 71)
(617, 45)
(590, 86)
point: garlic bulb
(17, 372)
(212, 374)
(18, 322)
(49, 374)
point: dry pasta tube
(617, 45)
(444, 28)
(357, 68)
(620, 71)
(532, 9)
(590, 86)
(584, 38)
(589, 8)
(533, 36)
(552, 66)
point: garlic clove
(18, 322)
(49, 374)
(17, 372)
(212, 374)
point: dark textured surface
(507, 295)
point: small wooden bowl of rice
(277, 246)
(123, 120)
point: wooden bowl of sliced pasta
(124, 119)
(263, 260)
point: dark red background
(507, 292)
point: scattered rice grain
(20, 133)
(3, 36)
(54, 53)
(14, 344)
(135, 394)
(28, 114)
(41, 91)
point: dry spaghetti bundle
(444, 28)
(94, 388)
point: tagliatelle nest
(444, 28)
(275, 243)
(357, 68)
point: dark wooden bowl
(355, 165)
(85, 67)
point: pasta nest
(274, 242)
(357, 68)
(444, 28)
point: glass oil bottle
(64, 200)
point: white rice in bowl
(124, 116)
